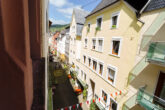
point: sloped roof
(103, 4)
(155, 4)
(79, 29)
(80, 15)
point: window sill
(112, 84)
(114, 55)
(97, 51)
(113, 28)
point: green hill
(57, 27)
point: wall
(20, 44)
(16, 65)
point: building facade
(63, 45)
(147, 78)
(53, 43)
(109, 44)
(76, 26)
(122, 55)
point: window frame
(111, 16)
(89, 27)
(95, 44)
(84, 62)
(90, 62)
(100, 38)
(82, 74)
(85, 45)
(114, 68)
(114, 101)
(101, 21)
(78, 70)
(120, 45)
(98, 64)
(102, 98)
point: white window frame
(96, 65)
(95, 45)
(86, 45)
(115, 76)
(101, 21)
(82, 74)
(78, 70)
(116, 39)
(90, 26)
(90, 63)
(102, 98)
(100, 38)
(114, 101)
(100, 62)
(112, 15)
(85, 59)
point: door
(160, 89)
(113, 105)
(91, 90)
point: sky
(60, 11)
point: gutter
(141, 11)
(102, 8)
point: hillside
(57, 27)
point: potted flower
(113, 26)
(88, 30)
(97, 28)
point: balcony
(149, 101)
(156, 53)
(146, 100)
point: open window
(114, 20)
(88, 28)
(85, 76)
(99, 22)
(115, 47)
(84, 59)
(93, 43)
(85, 42)
(100, 68)
(94, 65)
(89, 62)
(104, 97)
(111, 74)
(113, 104)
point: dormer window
(114, 20)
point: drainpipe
(141, 11)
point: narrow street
(63, 93)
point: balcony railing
(149, 101)
(156, 53)
(146, 100)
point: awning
(100, 106)
(82, 82)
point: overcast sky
(60, 11)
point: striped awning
(82, 82)
(100, 106)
